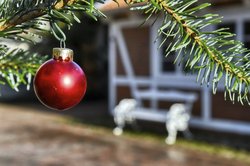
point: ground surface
(31, 136)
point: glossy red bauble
(60, 83)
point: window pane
(247, 32)
(247, 45)
(231, 28)
(230, 25)
(168, 63)
(247, 28)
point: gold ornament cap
(62, 54)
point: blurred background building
(99, 54)
(150, 68)
(109, 50)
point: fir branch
(18, 66)
(217, 58)
(26, 14)
(27, 20)
(32, 13)
(213, 54)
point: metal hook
(62, 43)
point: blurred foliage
(26, 21)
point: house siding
(137, 40)
(225, 109)
(218, 115)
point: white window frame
(180, 81)
(178, 75)
(232, 14)
(237, 15)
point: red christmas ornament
(60, 83)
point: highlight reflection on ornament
(67, 81)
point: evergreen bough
(213, 55)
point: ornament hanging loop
(62, 43)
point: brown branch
(33, 13)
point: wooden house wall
(137, 40)
(225, 109)
(138, 44)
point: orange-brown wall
(137, 40)
(227, 110)
(138, 43)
